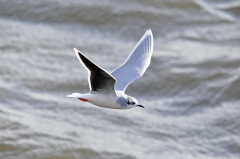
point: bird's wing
(99, 80)
(136, 63)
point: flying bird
(107, 90)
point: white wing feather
(136, 63)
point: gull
(107, 90)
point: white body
(108, 101)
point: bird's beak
(141, 106)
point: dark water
(191, 90)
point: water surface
(191, 90)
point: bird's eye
(128, 102)
(133, 103)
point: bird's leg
(83, 99)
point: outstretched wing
(136, 63)
(98, 79)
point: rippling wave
(190, 91)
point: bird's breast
(105, 101)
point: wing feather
(136, 63)
(99, 80)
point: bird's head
(132, 102)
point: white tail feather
(75, 95)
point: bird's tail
(75, 95)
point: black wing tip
(79, 54)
